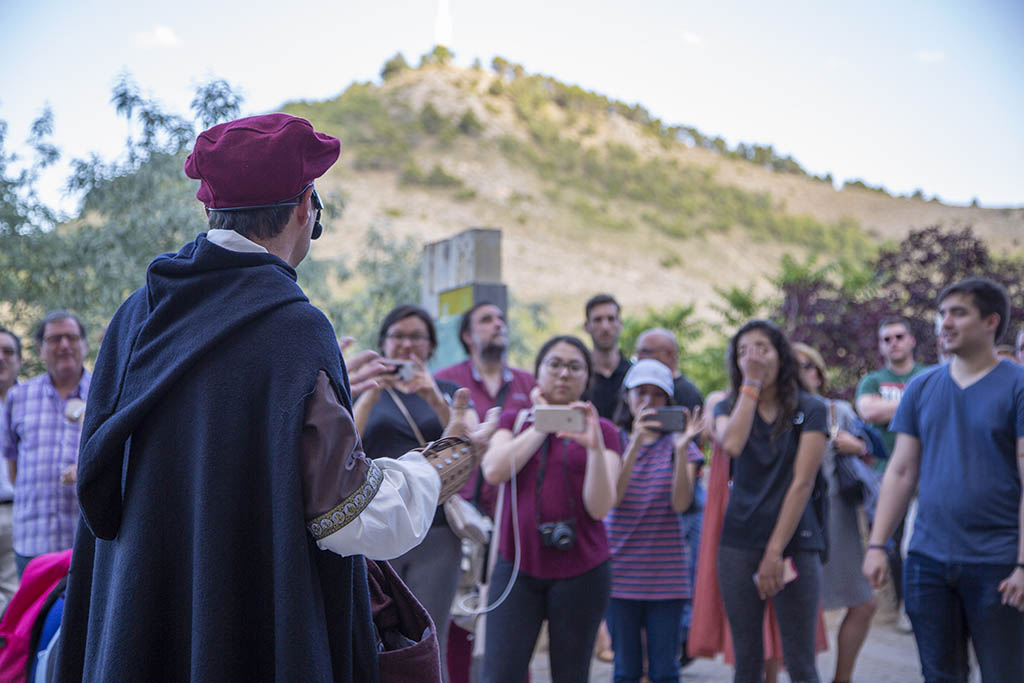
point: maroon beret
(258, 160)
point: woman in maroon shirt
(564, 487)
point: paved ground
(888, 656)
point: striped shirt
(35, 432)
(645, 534)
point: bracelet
(875, 546)
(752, 383)
(744, 389)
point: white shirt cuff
(399, 516)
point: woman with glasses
(842, 582)
(564, 487)
(650, 565)
(407, 408)
(772, 539)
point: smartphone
(672, 419)
(550, 419)
(405, 369)
(789, 572)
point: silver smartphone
(405, 369)
(550, 419)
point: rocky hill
(592, 194)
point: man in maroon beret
(227, 504)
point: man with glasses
(42, 425)
(878, 397)
(661, 345)
(226, 499)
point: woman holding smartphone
(564, 487)
(650, 569)
(407, 408)
(771, 536)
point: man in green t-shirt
(878, 396)
(879, 392)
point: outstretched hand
(694, 426)
(465, 424)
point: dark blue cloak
(192, 560)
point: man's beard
(606, 347)
(492, 352)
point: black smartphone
(672, 418)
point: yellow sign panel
(455, 301)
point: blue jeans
(661, 619)
(949, 603)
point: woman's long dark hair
(787, 384)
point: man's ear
(305, 207)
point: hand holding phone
(553, 419)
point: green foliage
(132, 210)
(437, 177)
(439, 55)
(470, 125)
(393, 67)
(431, 120)
(387, 270)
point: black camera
(560, 534)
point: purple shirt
(646, 535)
(591, 546)
(515, 395)
(35, 432)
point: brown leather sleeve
(338, 480)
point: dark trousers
(662, 621)
(950, 602)
(573, 608)
(796, 607)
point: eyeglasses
(399, 337)
(55, 339)
(807, 365)
(556, 365)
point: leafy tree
(393, 67)
(836, 308)
(501, 66)
(439, 55)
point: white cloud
(691, 38)
(929, 56)
(158, 36)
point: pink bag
(41, 576)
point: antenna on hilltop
(443, 25)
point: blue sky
(902, 94)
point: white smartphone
(789, 572)
(550, 419)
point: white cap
(650, 371)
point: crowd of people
(243, 503)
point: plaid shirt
(34, 431)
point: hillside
(593, 195)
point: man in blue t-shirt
(960, 439)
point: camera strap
(544, 451)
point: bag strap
(405, 412)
